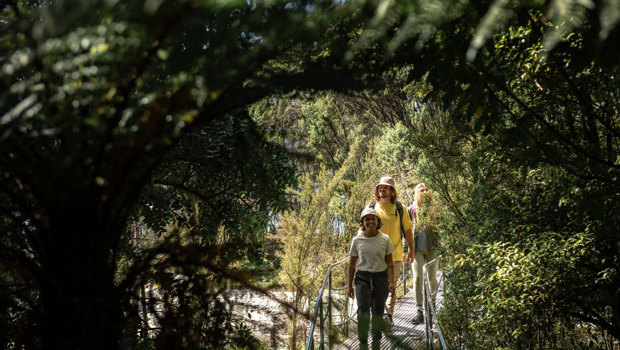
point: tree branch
(542, 120)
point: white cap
(368, 211)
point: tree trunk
(81, 309)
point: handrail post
(322, 326)
(348, 311)
(329, 312)
(425, 307)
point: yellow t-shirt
(391, 226)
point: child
(371, 255)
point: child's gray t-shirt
(371, 251)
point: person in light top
(371, 256)
(425, 214)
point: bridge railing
(323, 314)
(430, 311)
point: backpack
(399, 209)
(412, 211)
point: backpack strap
(399, 209)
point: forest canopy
(196, 145)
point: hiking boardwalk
(339, 331)
(405, 334)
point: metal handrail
(319, 302)
(318, 307)
(430, 312)
(405, 272)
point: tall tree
(95, 94)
